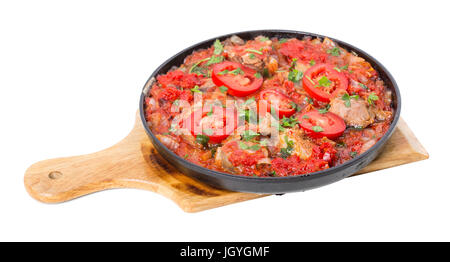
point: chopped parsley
(353, 154)
(363, 86)
(248, 115)
(218, 47)
(310, 80)
(295, 106)
(236, 71)
(214, 60)
(287, 151)
(197, 69)
(223, 89)
(317, 129)
(289, 121)
(186, 156)
(372, 97)
(341, 144)
(263, 39)
(295, 75)
(248, 135)
(210, 111)
(324, 81)
(312, 62)
(266, 72)
(224, 72)
(346, 97)
(324, 110)
(252, 56)
(339, 69)
(305, 117)
(282, 40)
(335, 51)
(244, 146)
(202, 139)
(257, 75)
(196, 89)
(309, 100)
(254, 51)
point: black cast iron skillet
(273, 185)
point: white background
(71, 73)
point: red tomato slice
(320, 125)
(240, 80)
(217, 123)
(268, 98)
(322, 81)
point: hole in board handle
(54, 175)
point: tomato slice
(319, 125)
(270, 98)
(240, 80)
(322, 81)
(217, 123)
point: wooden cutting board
(135, 163)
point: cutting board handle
(122, 165)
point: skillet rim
(291, 179)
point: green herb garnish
(287, 151)
(363, 86)
(372, 97)
(248, 135)
(317, 129)
(214, 60)
(257, 75)
(218, 47)
(339, 69)
(335, 51)
(324, 82)
(346, 97)
(196, 89)
(224, 72)
(295, 75)
(210, 111)
(324, 110)
(282, 40)
(353, 154)
(223, 89)
(263, 39)
(244, 146)
(309, 79)
(289, 121)
(236, 71)
(254, 51)
(202, 139)
(312, 62)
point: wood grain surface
(134, 163)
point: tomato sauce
(270, 107)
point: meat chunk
(356, 115)
(168, 141)
(252, 61)
(299, 143)
(236, 40)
